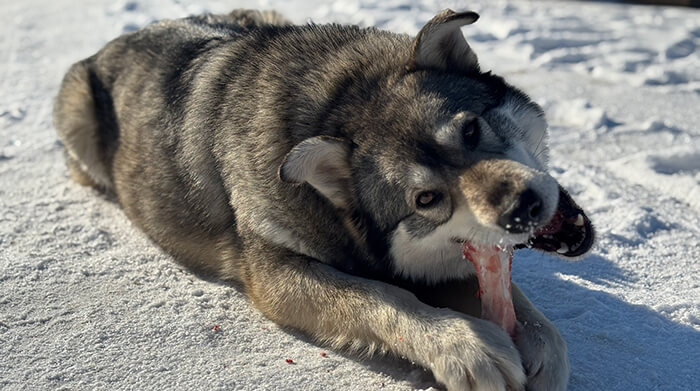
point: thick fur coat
(332, 171)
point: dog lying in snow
(338, 174)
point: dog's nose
(524, 215)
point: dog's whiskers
(537, 148)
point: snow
(86, 301)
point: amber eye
(427, 199)
(471, 133)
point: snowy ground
(86, 301)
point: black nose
(525, 214)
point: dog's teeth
(579, 220)
(563, 249)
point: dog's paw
(544, 356)
(477, 356)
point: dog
(334, 173)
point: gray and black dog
(335, 173)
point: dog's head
(444, 155)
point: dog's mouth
(569, 233)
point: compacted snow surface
(86, 301)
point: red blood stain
(289, 361)
(493, 264)
(216, 328)
(323, 354)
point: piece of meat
(492, 265)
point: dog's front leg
(463, 352)
(542, 348)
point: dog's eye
(427, 199)
(471, 133)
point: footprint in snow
(684, 164)
(131, 6)
(130, 27)
(681, 49)
(13, 113)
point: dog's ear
(322, 162)
(440, 44)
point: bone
(492, 265)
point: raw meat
(492, 265)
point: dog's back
(126, 104)
(84, 113)
(138, 118)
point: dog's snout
(525, 213)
